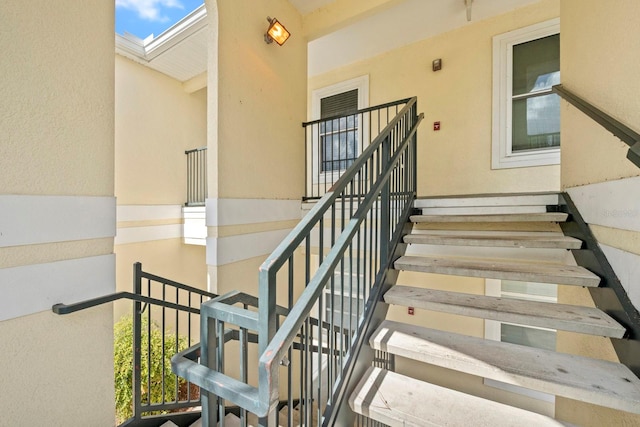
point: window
(526, 115)
(339, 137)
(340, 140)
(519, 334)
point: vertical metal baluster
(163, 331)
(220, 367)
(137, 342)
(244, 365)
(148, 345)
(290, 351)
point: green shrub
(123, 358)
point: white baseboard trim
(610, 204)
(226, 250)
(28, 220)
(34, 288)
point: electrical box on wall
(436, 65)
(436, 125)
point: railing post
(385, 204)
(208, 356)
(137, 342)
(266, 331)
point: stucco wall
(460, 97)
(599, 63)
(56, 122)
(261, 99)
(257, 102)
(156, 121)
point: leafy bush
(123, 361)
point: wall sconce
(276, 31)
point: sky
(144, 17)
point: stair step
(397, 400)
(515, 217)
(495, 240)
(573, 318)
(589, 380)
(499, 269)
(489, 200)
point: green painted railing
(328, 275)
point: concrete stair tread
(500, 269)
(397, 400)
(589, 380)
(573, 318)
(496, 240)
(480, 200)
(513, 217)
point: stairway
(505, 238)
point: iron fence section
(332, 144)
(196, 176)
(177, 319)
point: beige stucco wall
(460, 97)
(56, 122)
(156, 121)
(598, 45)
(260, 100)
(598, 64)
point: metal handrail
(363, 110)
(617, 128)
(274, 345)
(374, 198)
(176, 289)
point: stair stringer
(611, 296)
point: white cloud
(151, 10)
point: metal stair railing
(617, 128)
(344, 248)
(173, 308)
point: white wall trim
(27, 220)
(148, 212)
(226, 250)
(148, 233)
(221, 212)
(612, 204)
(627, 267)
(34, 288)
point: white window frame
(502, 155)
(492, 331)
(362, 84)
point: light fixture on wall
(468, 4)
(276, 31)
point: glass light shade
(277, 32)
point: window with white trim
(519, 334)
(340, 140)
(526, 114)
